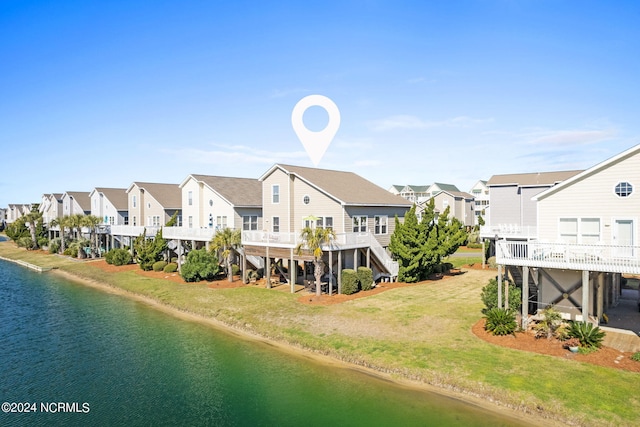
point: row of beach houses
(566, 237)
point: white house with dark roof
(76, 203)
(51, 207)
(480, 193)
(360, 213)
(587, 228)
(437, 187)
(110, 204)
(413, 193)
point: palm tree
(32, 219)
(226, 240)
(312, 241)
(91, 222)
(63, 223)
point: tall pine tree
(406, 244)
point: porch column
(483, 255)
(369, 257)
(500, 285)
(330, 272)
(206, 245)
(244, 268)
(293, 272)
(585, 295)
(339, 271)
(506, 293)
(179, 255)
(267, 268)
(355, 259)
(525, 297)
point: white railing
(509, 230)
(591, 257)
(183, 233)
(133, 230)
(341, 241)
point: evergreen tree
(406, 246)
(148, 251)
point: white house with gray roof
(360, 213)
(110, 204)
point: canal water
(72, 355)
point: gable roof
(398, 187)
(535, 179)
(446, 187)
(117, 196)
(589, 172)
(239, 192)
(418, 188)
(456, 194)
(345, 187)
(168, 195)
(82, 199)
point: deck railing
(591, 257)
(509, 230)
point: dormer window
(623, 189)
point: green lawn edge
(420, 333)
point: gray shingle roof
(168, 195)
(240, 192)
(347, 187)
(82, 198)
(446, 187)
(117, 196)
(532, 179)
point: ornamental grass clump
(590, 336)
(500, 321)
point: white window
(623, 189)
(221, 221)
(190, 198)
(276, 224)
(155, 220)
(306, 199)
(134, 221)
(589, 230)
(569, 230)
(126, 220)
(134, 201)
(275, 193)
(190, 221)
(328, 222)
(359, 224)
(380, 224)
(250, 222)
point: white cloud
(234, 154)
(413, 122)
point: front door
(623, 238)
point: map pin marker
(315, 143)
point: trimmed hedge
(349, 281)
(172, 267)
(159, 265)
(365, 277)
(118, 256)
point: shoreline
(522, 414)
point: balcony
(133, 230)
(184, 233)
(291, 240)
(567, 256)
(508, 231)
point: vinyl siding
(594, 197)
(371, 212)
(320, 205)
(195, 209)
(505, 205)
(529, 213)
(281, 209)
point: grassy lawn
(421, 332)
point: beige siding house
(76, 203)
(460, 206)
(360, 213)
(587, 238)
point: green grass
(421, 332)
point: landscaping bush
(43, 242)
(172, 267)
(590, 336)
(490, 296)
(54, 246)
(474, 245)
(500, 321)
(118, 256)
(25, 242)
(492, 262)
(365, 277)
(349, 281)
(235, 269)
(636, 356)
(159, 265)
(550, 324)
(200, 265)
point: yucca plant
(500, 321)
(589, 336)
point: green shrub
(549, 324)
(500, 321)
(636, 356)
(159, 265)
(492, 262)
(54, 246)
(490, 296)
(172, 267)
(25, 242)
(474, 245)
(590, 336)
(43, 242)
(349, 281)
(200, 265)
(365, 277)
(235, 269)
(118, 256)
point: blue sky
(102, 94)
